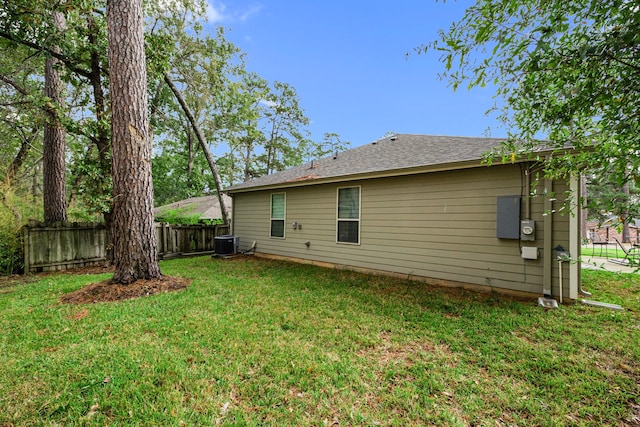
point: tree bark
(102, 134)
(203, 144)
(53, 167)
(135, 248)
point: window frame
(283, 219)
(356, 220)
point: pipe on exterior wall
(575, 236)
(547, 253)
(560, 280)
(527, 186)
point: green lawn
(258, 342)
(611, 252)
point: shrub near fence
(63, 246)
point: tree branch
(67, 61)
(46, 107)
(203, 144)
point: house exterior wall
(439, 225)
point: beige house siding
(439, 225)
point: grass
(611, 252)
(258, 342)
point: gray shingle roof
(398, 153)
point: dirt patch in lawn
(107, 291)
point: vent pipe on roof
(335, 155)
(393, 138)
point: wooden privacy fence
(63, 246)
(176, 240)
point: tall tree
(285, 121)
(134, 239)
(203, 145)
(564, 70)
(54, 148)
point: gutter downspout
(527, 200)
(548, 236)
(560, 279)
(575, 235)
(233, 215)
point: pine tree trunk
(53, 162)
(135, 247)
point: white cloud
(253, 10)
(215, 12)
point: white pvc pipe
(560, 280)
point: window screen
(278, 208)
(348, 222)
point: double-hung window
(348, 216)
(278, 209)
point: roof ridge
(397, 152)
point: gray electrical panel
(508, 217)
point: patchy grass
(258, 342)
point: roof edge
(468, 164)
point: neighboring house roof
(395, 155)
(207, 207)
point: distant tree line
(211, 122)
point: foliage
(13, 208)
(254, 342)
(27, 27)
(11, 259)
(174, 178)
(606, 198)
(331, 144)
(183, 216)
(567, 71)
(255, 126)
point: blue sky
(347, 61)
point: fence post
(161, 245)
(25, 242)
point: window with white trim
(278, 209)
(348, 215)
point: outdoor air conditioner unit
(226, 245)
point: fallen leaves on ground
(108, 291)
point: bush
(11, 254)
(14, 210)
(183, 216)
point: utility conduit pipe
(560, 260)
